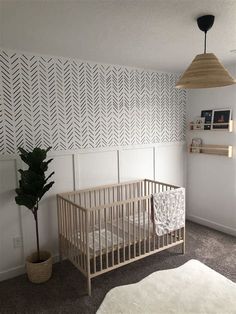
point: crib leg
(89, 286)
(183, 238)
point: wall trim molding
(97, 150)
(212, 224)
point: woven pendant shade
(205, 71)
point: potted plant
(33, 184)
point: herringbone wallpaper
(69, 104)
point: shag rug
(190, 288)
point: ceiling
(153, 34)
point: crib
(106, 227)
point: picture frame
(221, 118)
(196, 145)
(198, 123)
(208, 115)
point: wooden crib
(106, 227)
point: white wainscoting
(96, 168)
(73, 170)
(136, 163)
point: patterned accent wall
(70, 104)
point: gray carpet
(64, 293)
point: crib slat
(117, 229)
(99, 197)
(80, 237)
(154, 227)
(148, 207)
(134, 229)
(71, 232)
(74, 234)
(179, 235)
(144, 225)
(100, 245)
(94, 252)
(123, 228)
(67, 228)
(77, 236)
(67, 236)
(112, 242)
(105, 219)
(87, 219)
(128, 208)
(62, 225)
(89, 199)
(139, 230)
(84, 239)
(59, 226)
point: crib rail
(108, 194)
(106, 227)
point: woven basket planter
(39, 272)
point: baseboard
(19, 270)
(212, 224)
(12, 272)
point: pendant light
(205, 71)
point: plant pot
(39, 272)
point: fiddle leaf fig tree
(33, 183)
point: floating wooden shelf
(222, 150)
(213, 126)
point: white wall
(211, 180)
(76, 169)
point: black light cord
(205, 43)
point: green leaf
(24, 155)
(50, 175)
(26, 200)
(32, 185)
(48, 149)
(46, 188)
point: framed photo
(221, 118)
(207, 114)
(198, 123)
(196, 145)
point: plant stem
(37, 231)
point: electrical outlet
(17, 242)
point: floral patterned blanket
(168, 210)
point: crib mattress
(120, 234)
(125, 232)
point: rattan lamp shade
(205, 71)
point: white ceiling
(154, 34)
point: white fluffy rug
(190, 288)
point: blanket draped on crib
(168, 210)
